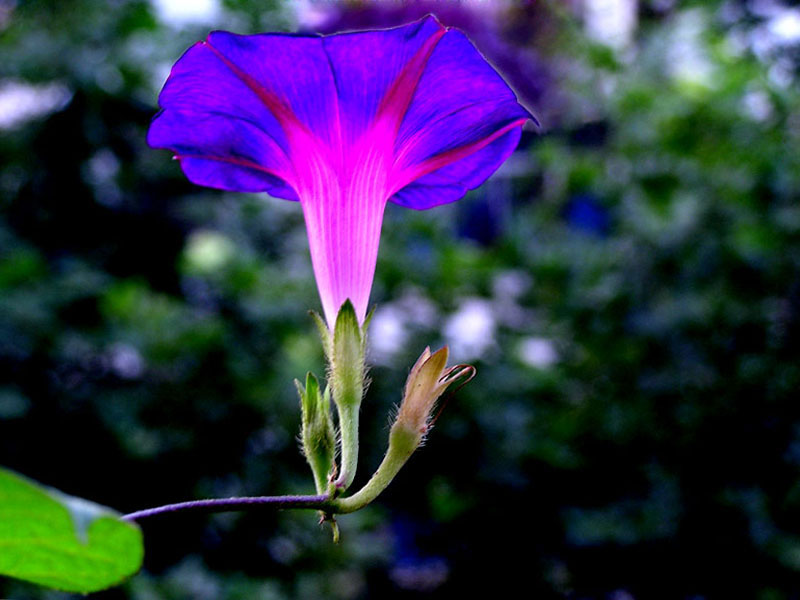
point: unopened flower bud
(317, 435)
(427, 381)
(347, 357)
(347, 380)
(429, 378)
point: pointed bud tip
(346, 311)
(346, 322)
(427, 381)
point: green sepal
(347, 361)
(317, 435)
(324, 333)
(365, 326)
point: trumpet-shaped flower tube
(342, 123)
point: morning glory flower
(343, 123)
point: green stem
(402, 443)
(348, 427)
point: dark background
(628, 286)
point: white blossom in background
(781, 74)
(21, 102)
(183, 12)
(309, 13)
(785, 26)
(687, 57)
(779, 30)
(126, 361)
(101, 171)
(537, 352)
(103, 166)
(387, 334)
(510, 284)
(419, 310)
(470, 331)
(389, 329)
(507, 287)
(208, 251)
(612, 22)
(757, 105)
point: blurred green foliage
(628, 287)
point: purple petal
(223, 152)
(231, 94)
(451, 182)
(291, 74)
(461, 107)
(367, 64)
(202, 83)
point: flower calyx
(317, 435)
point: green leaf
(63, 542)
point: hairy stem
(348, 427)
(402, 443)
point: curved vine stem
(215, 505)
